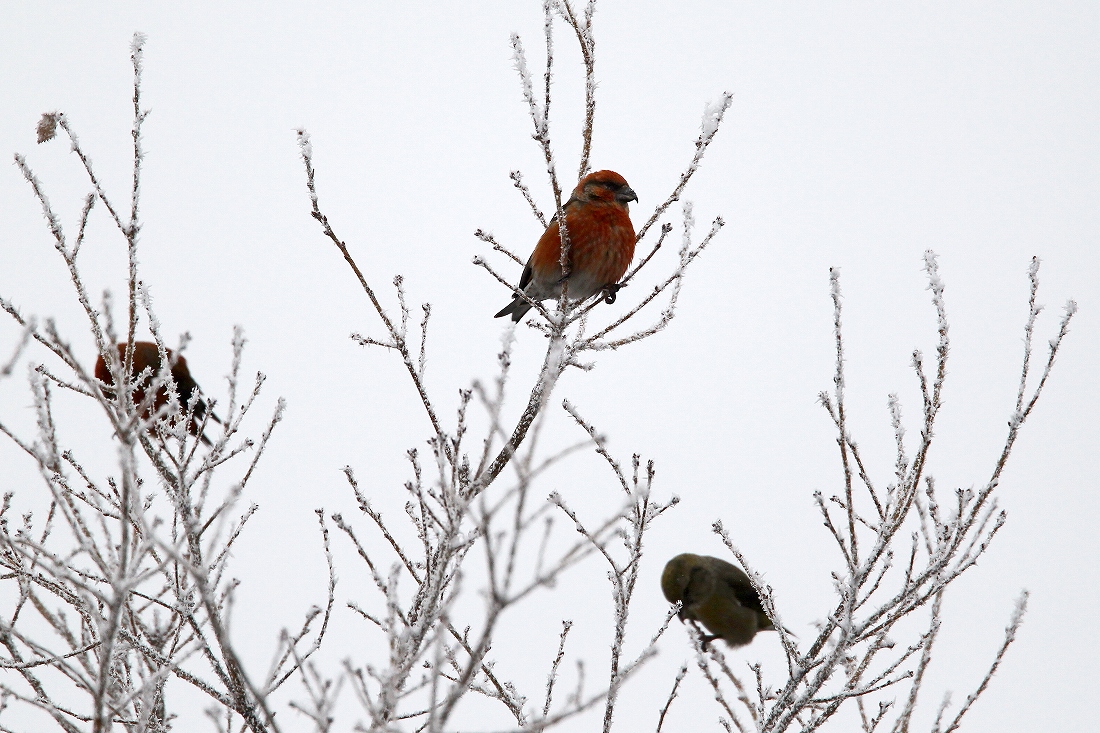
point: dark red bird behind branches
(601, 245)
(147, 357)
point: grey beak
(626, 194)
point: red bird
(601, 244)
(147, 356)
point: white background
(859, 136)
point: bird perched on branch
(716, 594)
(601, 245)
(147, 360)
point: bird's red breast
(601, 245)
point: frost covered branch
(900, 549)
(465, 503)
(119, 588)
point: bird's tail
(518, 308)
(771, 627)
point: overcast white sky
(860, 135)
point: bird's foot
(610, 292)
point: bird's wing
(746, 595)
(739, 583)
(185, 385)
(525, 277)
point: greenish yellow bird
(717, 595)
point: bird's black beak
(626, 193)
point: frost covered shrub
(116, 592)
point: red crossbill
(147, 357)
(601, 244)
(716, 594)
